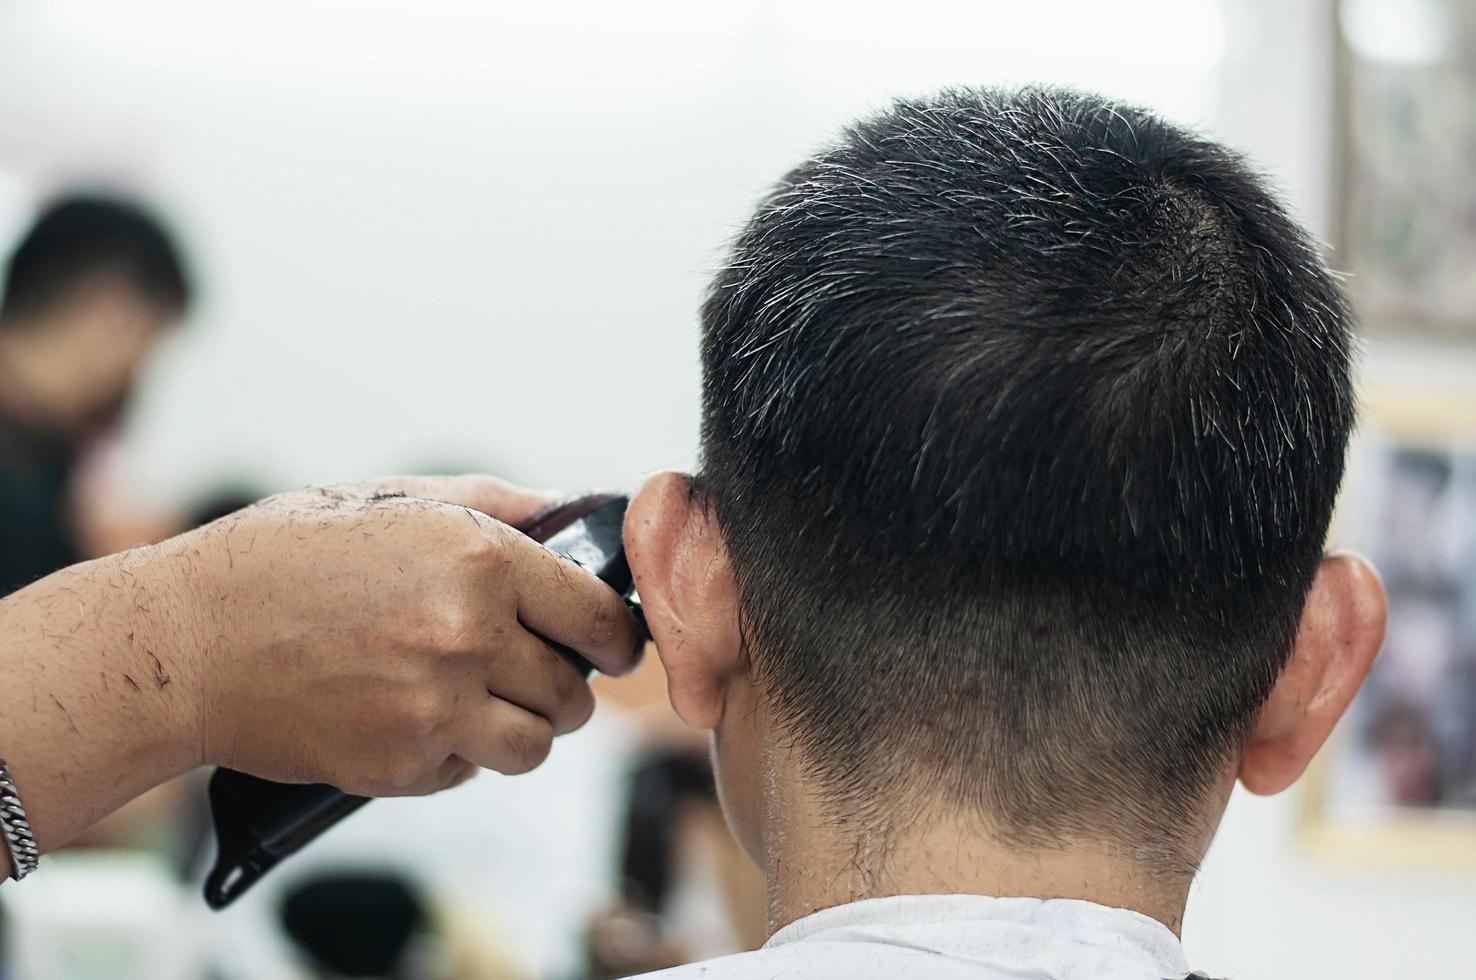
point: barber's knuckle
(604, 622)
(420, 714)
(484, 544)
(528, 743)
(455, 626)
(403, 770)
(563, 682)
(582, 706)
(573, 704)
(475, 553)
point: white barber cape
(957, 937)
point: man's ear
(681, 570)
(1341, 631)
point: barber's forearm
(98, 688)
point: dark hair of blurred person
(224, 500)
(88, 291)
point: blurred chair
(356, 924)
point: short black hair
(1024, 413)
(82, 235)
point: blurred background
(451, 235)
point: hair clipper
(259, 822)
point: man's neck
(815, 861)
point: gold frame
(1441, 840)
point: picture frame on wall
(1405, 152)
(1397, 781)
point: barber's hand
(388, 638)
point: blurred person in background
(685, 891)
(88, 292)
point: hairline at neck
(815, 857)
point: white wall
(459, 234)
(479, 237)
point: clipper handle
(259, 822)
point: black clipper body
(259, 822)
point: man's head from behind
(87, 292)
(1024, 414)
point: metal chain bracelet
(15, 827)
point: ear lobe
(681, 571)
(1341, 631)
